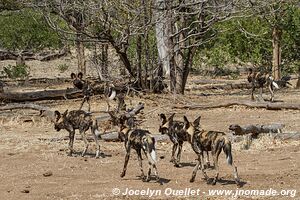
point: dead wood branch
(108, 137)
(14, 106)
(227, 86)
(249, 104)
(7, 55)
(69, 93)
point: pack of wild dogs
(142, 141)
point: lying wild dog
(174, 129)
(259, 80)
(140, 140)
(256, 129)
(87, 90)
(76, 119)
(213, 141)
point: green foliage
(63, 67)
(249, 40)
(26, 30)
(16, 71)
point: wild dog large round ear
(170, 119)
(73, 75)
(80, 75)
(163, 118)
(65, 113)
(57, 114)
(197, 121)
(186, 122)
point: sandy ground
(27, 152)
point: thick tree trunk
(276, 37)
(80, 54)
(162, 31)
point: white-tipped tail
(153, 155)
(97, 132)
(275, 84)
(112, 95)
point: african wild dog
(259, 80)
(213, 141)
(85, 86)
(76, 119)
(88, 88)
(174, 129)
(140, 140)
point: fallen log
(69, 93)
(228, 86)
(14, 106)
(108, 137)
(250, 104)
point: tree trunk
(104, 60)
(162, 31)
(80, 54)
(139, 59)
(298, 81)
(276, 37)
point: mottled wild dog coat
(213, 141)
(174, 129)
(76, 119)
(85, 86)
(140, 140)
(259, 80)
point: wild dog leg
(155, 171)
(198, 164)
(216, 154)
(82, 102)
(86, 142)
(71, 141)
(89, 104)
(252, 92)
(271, 91)
(177, 161)
(128, 148)
(175, 146)
(207, 160)
(138, 151)
(97, 143)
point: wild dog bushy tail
(273, 83)
(149, 146)
(227, 151)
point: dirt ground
(27, 152)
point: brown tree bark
(80, 54)
(276, 37)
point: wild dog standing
(76, 119)
(85, 86)
(177, 135)
(88, 88)
(259, 80)
(213, 141)
(140, 140)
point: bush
(16, 71)
(63, 67)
